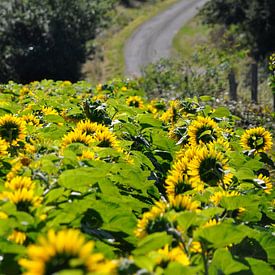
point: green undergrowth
(99, 180)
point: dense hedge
(99, 180)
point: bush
(46, 39)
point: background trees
(254, 19)
(46, 39)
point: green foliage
(115, 192)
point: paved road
(153, 39)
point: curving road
(153, 39)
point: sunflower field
(99, 180)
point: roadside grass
(194, 34)
(108, 61)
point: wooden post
(232, 86)
(254, 82)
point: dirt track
(153, 39)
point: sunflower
(86, 154)
(203, 130)
(106, 139)
(195, 247)
(209, 167)
(76, 136)
(65, 250)
(22, 198)
(257, 139)
(211, 223)
(183, 203)
(12, 129)
(19, 182)
(172, 114)
(217, 196)
(264, 182)
(18, 237)
(3, 215)
(48, 111)
(135, 101)
(90, 128)
(3, 148)
(32, 120)
(176, 254)
(177, 181)
(152, 221)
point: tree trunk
(254, 82)
(232, 86)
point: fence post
(254, 82)
(232, 85)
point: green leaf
(245, 173)
(259, 267)
(147, 120)
(221, 235)
(221, 112)
(152, 242)
(223, 263)
(176, 268)
(81, 179)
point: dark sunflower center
(9, 131)
(63, 262)
(134, 104)
(182, 187)
(105, 143)
(78, 140)
(256, 142)
(211, 171)
(157, 225)
(206, 134)
(23, 206)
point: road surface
(153, 39)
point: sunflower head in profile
(24, 199)
(135, 101)
(20, 182)
(32, 120)
(183, 203)
(217, 196)
(65, 250)
(172, 114)
(17, 236)
(3, 148)
(264, 183)
(12, 129)
(152, 221)
(177, 181)
(209, 167)
(76, 136)
(176, 254)
(257, 139)
(90, 128)
(106, 139)
(203, 130)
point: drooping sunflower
(183, 203)
(106, 139)
(177, 181)
(264, 183)
(65, 250)
(23, 198)
(90, 128)
(20, 182)
(18, 237)
(217, 196)
(257, 139)
(76, 136)
(203, 130)
(176, 254)
(172, 113)
(135, 101)
(209, 167)
(12, 129)
(152, 221)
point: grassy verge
(194, 34)
(109, 60)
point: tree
(46, 39)
(254, 19)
